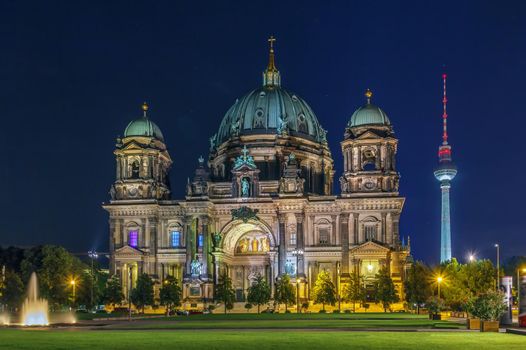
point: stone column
(188, 241)
(332, 239)
(206, 242)
(300, 245)
(282, 248)
(384, 228)
(356, 228)
(344, 230)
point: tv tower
(445, 172)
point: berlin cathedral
(263, 201)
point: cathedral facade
(263, 201)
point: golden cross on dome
(368, 95)
(271, 42)
(144, 108)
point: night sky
(74, 73)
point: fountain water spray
(34, 310)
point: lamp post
(297, 253)
(471, 258)
(439, 281)
(93, 255)
(73, 284)
(498, 266)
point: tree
(113, 291)
(453, 287)
(417, 287)
(385, 291)
(259, 292)
(478, 276)
(170, 294)
(87, 281)
(248, 306)
(224, 292)
(285, 293)
(354, 291)
(12, 291)
(55, 268)
(489, 306)
(323, 291)
(142, 294)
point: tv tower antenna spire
(445, 172)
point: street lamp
(93, 255)
(439, 281)
(498, 265)
(471, 258)
(297, 253)
(73, 285)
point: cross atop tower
(271, 41)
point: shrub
(335, 311)
(435, 305)
(287, 311)
(489, 306)
(323, 311)
(347, 311)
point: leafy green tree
(248, 306)
(12, 291)
(385, 291)
(417, 287)
(285, 293)
(55, 268)
(259, 292)
(323, 291)
(453, 288)
(170, 294)
(86, 283)
(478, 276)
(489, 306)
(354, 291)
(142, 294)
(113, 292)
(223, 292)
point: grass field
(144, 340)
(292, 321)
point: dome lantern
(271, 76)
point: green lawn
(292, 321)
(144, 340)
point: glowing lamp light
(471, 258)
(439, 279)
(370, 268)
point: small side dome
(143, 127)
(369, 114)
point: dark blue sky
(73, 74)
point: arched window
(370, 231)
(133, 238)
(135, 170)
(302, 124)
(200, 240)
(175, 239)
(259, 119)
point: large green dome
(270, 110)
(143, 127)
(369, 114)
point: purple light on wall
(133, 239)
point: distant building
(262, 203)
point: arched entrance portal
(248, 250)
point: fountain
(34, 310)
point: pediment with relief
(369, 247)
(128, 251)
